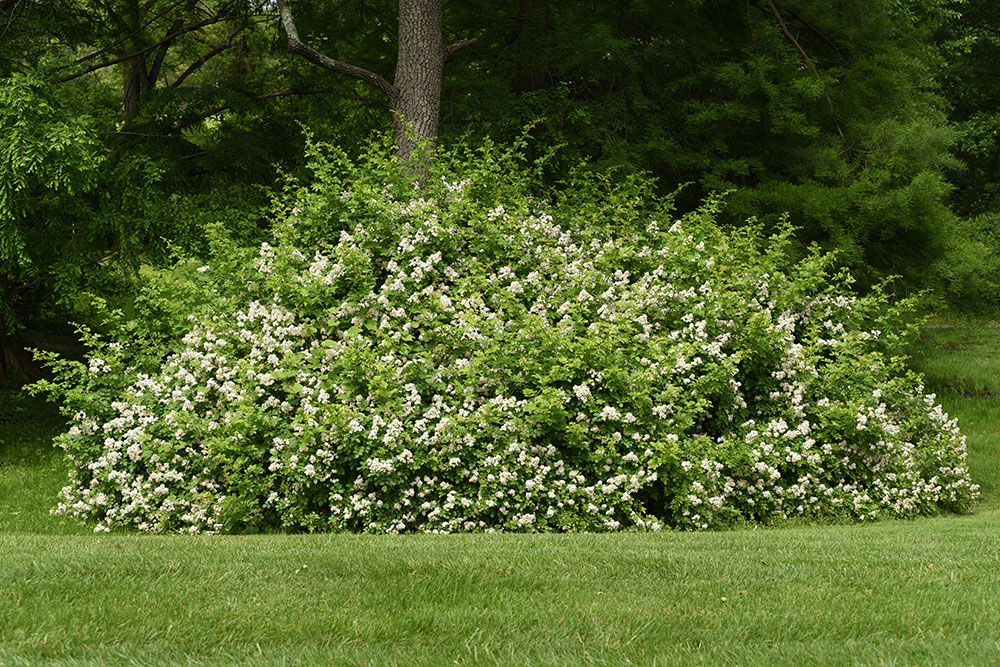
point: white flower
(98, 365)
(609, 414)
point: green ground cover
(904, 592)
(962, 365)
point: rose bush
(470, 356)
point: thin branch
(142, 51)
(193, 67)
(91, 56)
(4, 4)
(821, 34)
(812, 66)
(312, 55)
(784, 28)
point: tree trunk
(416, 106)
(415, 94)
(15, 361)
(142, 71)
(136, 84)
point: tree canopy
(130, 129)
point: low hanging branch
(312, 55)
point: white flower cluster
(469, 366)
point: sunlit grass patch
(961, 360)
(923, 591)
(962, 365)
(914, 589)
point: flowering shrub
(467, 357)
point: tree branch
(461, 44)
(312, 55)
(193, 67)
(13, 4)
(161, 54)
(791, 38)
(821, 34)
(170, 37)
(91, 56)
(812, 66)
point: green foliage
(486, 354)
(829, 112)
(825, 111)
(78, 216)
(971, 43)
(48, 162)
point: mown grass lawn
(902, 592)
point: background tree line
(130, 128)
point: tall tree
(414, 96)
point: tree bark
(419, 70)
(415, 94)
(136, 84)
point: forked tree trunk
(143, 70)
(415, 94)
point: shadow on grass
(32, 470)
